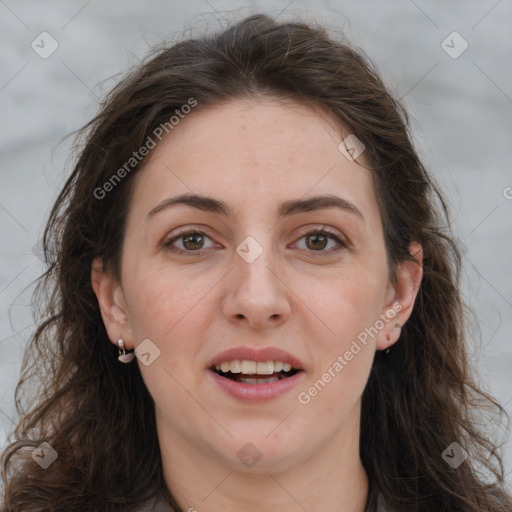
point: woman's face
(258, 283)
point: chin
(261, 448)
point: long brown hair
(97, 413)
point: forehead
(254, 154)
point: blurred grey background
(447, 60)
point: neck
(332, 480)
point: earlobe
(111, 302)
(409, 275)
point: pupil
(316, 237)
(188, 237)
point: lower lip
(257, 392)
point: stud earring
(123, 356)
(398, 325)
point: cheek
(164, 304)
(348, 308)
(166, 307)
(344, 307)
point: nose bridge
(253, 265)
(256, 291)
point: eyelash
(198, 252)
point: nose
(257, 293)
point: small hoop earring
(124, 357)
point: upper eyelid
(184, 232)
(302, 231)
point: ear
(400, 300)
(112, 304)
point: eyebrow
(286, 209)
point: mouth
(251, 374)
(255, 372)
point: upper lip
(256, 354)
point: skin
(255, 155)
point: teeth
(248, 367)
(235, 366)
(265, 368)
(253, 367)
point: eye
(191, 241)
(317, 240)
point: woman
(249, 218)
